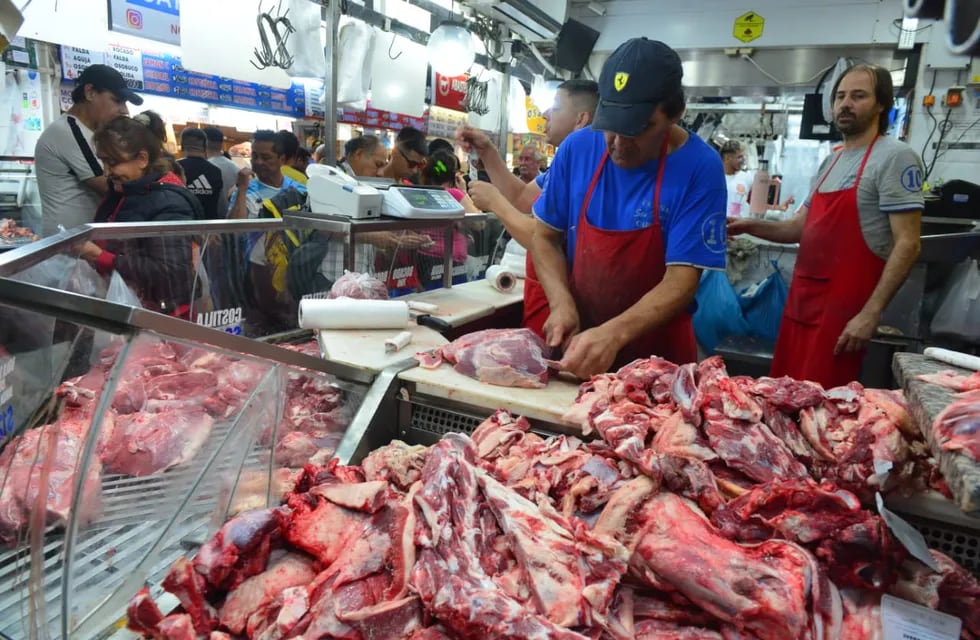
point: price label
(129, 63)
(902, 620)
(74, 60)
(235, 330)
(907, 535)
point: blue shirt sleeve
(552, 206)
(695, 232)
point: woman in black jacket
(143, 188)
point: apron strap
(864, 161)
(662, 162)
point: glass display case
(128, 437)
(245, 277)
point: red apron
(834, 276)
(536, 309)
(614, 269)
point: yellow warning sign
(748, 26)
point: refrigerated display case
(107, 477)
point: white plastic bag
(306, 43)
(959, 314)
(121, 293)
(355, 42)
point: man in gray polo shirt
(69, 176)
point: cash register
(333, 192)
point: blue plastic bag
(763, 304)
(719, 313)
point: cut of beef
(146, 443)
(177, 627)
(957, 427)
(751, 448)
(38, 470)
(143, 615)
(398, 463)
(952, 589)
(256, 595)
(239, 550)
(788, 394)
(853, 544)
(767, 590)
(190, 588)
(503, 357)
(360, 286)
(952, 380)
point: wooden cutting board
(547, 404)
(365, 348)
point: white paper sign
(74, 60)
(128, 62)
(902, 620)
(907, 535)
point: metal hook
(393, 36)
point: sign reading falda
(152, 19)
(449, 92)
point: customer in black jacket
(142, 189)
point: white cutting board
(548, 404)
(455, 307)
(365, 348)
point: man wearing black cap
(633, 212)
(69, 176)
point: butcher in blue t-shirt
(633, 211)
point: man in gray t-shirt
(69, 176)
(890, 185)
(859, 235)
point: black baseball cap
(636, 78)
(104, 78)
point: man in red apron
(509, 198)
(634, 210)
(858, 233)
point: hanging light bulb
(451, 50)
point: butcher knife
(431, 321)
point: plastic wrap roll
(501, 279)
(345, 313)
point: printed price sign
(902, 620)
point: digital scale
(419, 202)
(333, 192)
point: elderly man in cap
(633, 212)
(69, 176)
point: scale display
(414, 202)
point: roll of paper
(501, 280)
(346, 313)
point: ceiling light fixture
(451, 49)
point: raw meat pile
(507, 535)
(360, 286)
(503, 357)
(165, 405)
(742, 432)
(952, 380)
(10, 231)
(957, 427)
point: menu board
(164, 75)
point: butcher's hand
(472, 139)
(89, 251)
(484, 195)
(562, 324)
(858, 333)
(590, 353)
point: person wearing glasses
(407, 156)
(633, 212)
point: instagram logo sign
(134, 18)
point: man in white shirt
(739, 181)
(69, 176)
